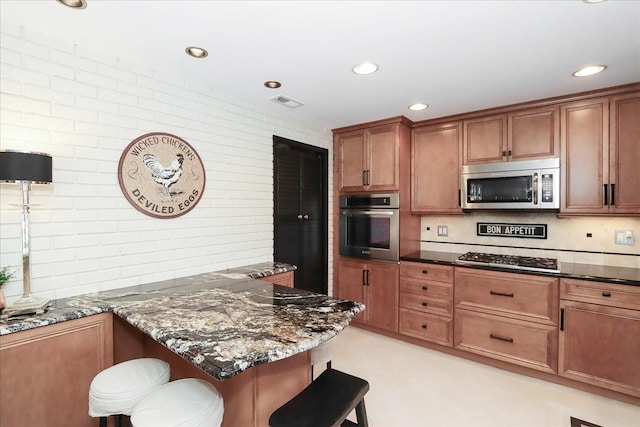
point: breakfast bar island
(250, 338)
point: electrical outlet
(625, 237)
(443, 230)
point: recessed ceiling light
(196, 52)
(589, 71)
(272, 84)
(365, 68)
(76, 4)
(418, 106)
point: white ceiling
(457, 56)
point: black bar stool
(326, 402)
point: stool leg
(118, 420)
(361, 415)
(103, 421)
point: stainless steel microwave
(530, 184)
(370, 226)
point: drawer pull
(499, 338)
(424, 304)
(501, 294)
(606, 294)
(424, 288)
(425, 272)
(424, 326)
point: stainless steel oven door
(370, 233)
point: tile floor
(413, 386)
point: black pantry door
(300, 214)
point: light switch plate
(625, 237)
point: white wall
(567, 237)
(84, 108)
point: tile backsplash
(567, 237)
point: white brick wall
(84, 108)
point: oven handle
(535, 188)
(385, 213)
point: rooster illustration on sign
(165, 176)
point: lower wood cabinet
(507, 316)
(426, 302)
(284, 279)
(599, 339)
(375, 284)
(520, 342)
(46, 372)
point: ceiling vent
(286, 101)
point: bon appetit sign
(527, 231)
(161, 175)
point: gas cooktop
(548, 265)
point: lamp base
(26, 305)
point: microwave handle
(535, 188)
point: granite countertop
(223, 322)
(600, 273)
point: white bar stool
(119, 388)
(188, 402)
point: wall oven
(532, 184)
(370, 226)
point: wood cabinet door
(584, 142)
(534, 134)
(382, 281)
(435, 169)
(485, 140)
(382, 171)
(351, 284)
(46, 372)
(351, 155)
(600, 345)
(624, 152)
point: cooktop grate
(510, 261)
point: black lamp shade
(16, 166)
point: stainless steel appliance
(370, 226)
(531, 184)
(548, 265)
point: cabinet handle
(305, 216)
(367, 282)
(364, 177)
(509, 153)
(459, 198)
(606, 294)
(424, 288)
(562, 319)
(504, 154)
(499, 338)
(364, 277)
(613, 194)
(424, 304)
(300, 216)
(606, 195)
(424, 326)
(425, 271)
(501, 294)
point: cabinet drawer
(601, 293)
(426, 327)
(515, 341)
(427, 288)
(420, 270)
(439, 306)
(522, 296)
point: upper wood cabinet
(520, 135)
(600, 156)
(368, 159)
(435, 169)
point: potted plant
(6, 274)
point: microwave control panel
(547, 187)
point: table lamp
(25, 169)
